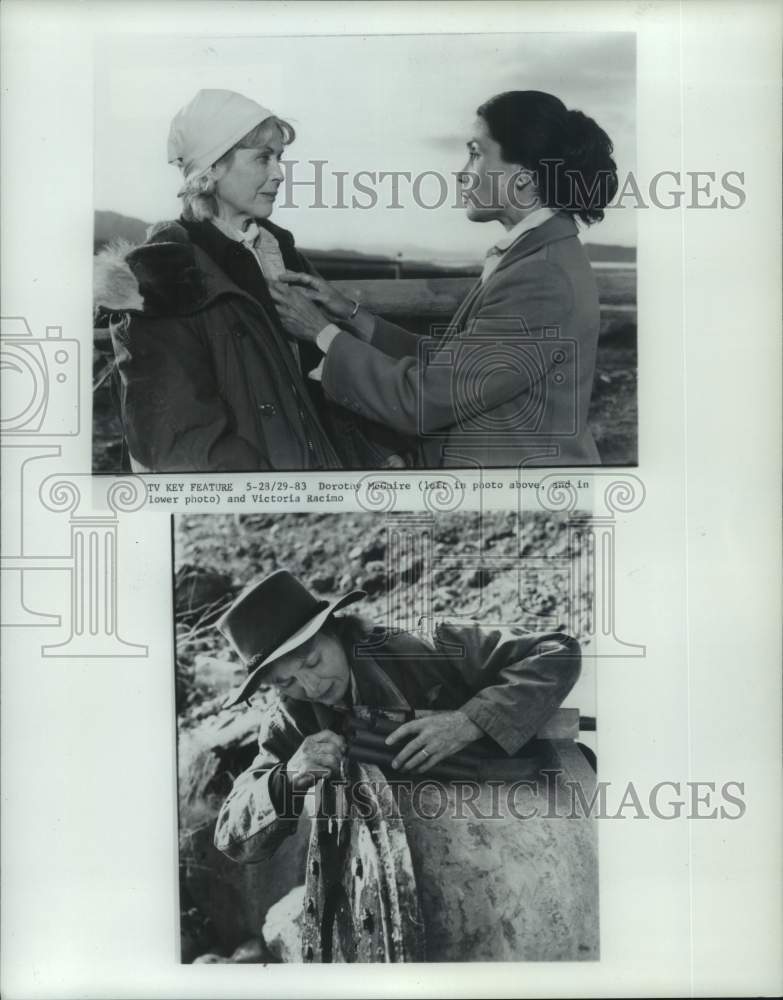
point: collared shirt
(260, 242)
(242, 268)
(495, 253)
(266, 253)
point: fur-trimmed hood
(166, 275)
(114, 286)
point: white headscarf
(208, 126)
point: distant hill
(111, 225)
(345, 264)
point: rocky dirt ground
(223, 904)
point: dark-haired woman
(509, 383)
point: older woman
(208, 378)
(509, 384)
(497, 685)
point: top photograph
(322, 253)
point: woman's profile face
(487, 180)
(247, 185)
(316, 671)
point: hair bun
(577, 118)
(536, 130)
(581, 136)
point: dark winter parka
(207, 380)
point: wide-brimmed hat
(271, 618)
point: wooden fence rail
(440, 297)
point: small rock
(374, 552)
(449, 536)
(446, 576)
(412, 571)
(497, 536)
(200, 592)
(253, 523)
(323, 583)
(375, 581)
(480, 577)
(282, 930)
(251, 952)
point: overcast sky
(377, 103)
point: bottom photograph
(386, 737)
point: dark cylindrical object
(370, 755)
(372, 748)
(381, 728)
(364, 738)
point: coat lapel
(218, 285)
(559, 227)
(373, 686)
(463, 309)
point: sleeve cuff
(326, 336)
(324, 342)
(494, 725)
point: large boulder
(282, 931)
(232, 899)
(237, 898)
